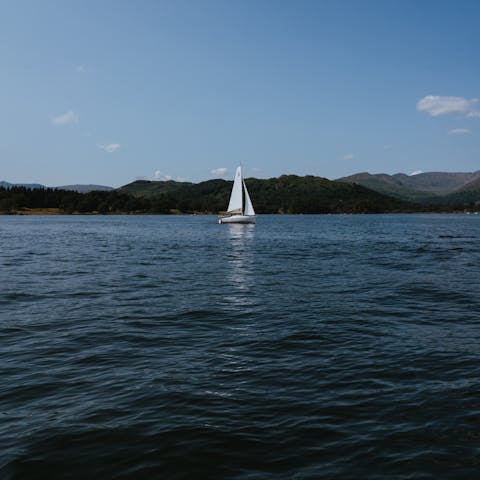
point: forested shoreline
(287, 194)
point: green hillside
(147, 188)
(285, 194)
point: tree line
(16, 199)
(285, 194)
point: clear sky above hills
(109, 91)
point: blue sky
(109, 91)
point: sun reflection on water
(239, 274)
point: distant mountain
(438, 183)
(467, 197)
(420, 187)
(85, 188)
(26, 185)
(386, 184)
(76, 188)
(472, 185)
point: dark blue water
(167, 347)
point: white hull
(238, 219)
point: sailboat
(240, 208)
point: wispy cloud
(162, 177)
(66, 118)
(459, 131)
(349, 156)
(81, 68)
(435, 106)
(219, 172)
(158, 175)
(416, 172)
(110, 147)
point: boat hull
(238, 219)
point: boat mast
(243, 192)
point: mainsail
(236, 201)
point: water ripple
(304, 347)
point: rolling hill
(423, 187)
(150, 187)
(285, 194)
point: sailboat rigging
(240, 208)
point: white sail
(236, 202)
(240, 208)
(248, 203)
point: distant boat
(240, 208)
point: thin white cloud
(81, 68)
(459, 131)
(159, 176)
(416, 172)
(110, 147)
(435, 106)
(349, 156)
(219, 172)
(66, 118)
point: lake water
(333, 347)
